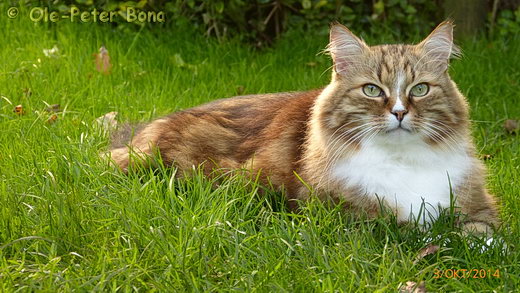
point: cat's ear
(438, 47)
(345, 48)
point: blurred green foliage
(262, 21)
(508, 22)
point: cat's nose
(399, 114)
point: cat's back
(248, 115)
(229, 132)
(250, 106)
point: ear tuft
(344, 47)
(438, 46)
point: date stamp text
(456, 273)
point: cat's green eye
(372, 90)
(420, 90)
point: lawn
(70, 222)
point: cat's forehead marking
(394, 62)
(399, 83)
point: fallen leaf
(54, 52)
(52, 119)
(430, 249)
(108, 121)
(102, 61)
(240, 89)
(412, 287)
(55, 108)
(487, 157)
(19, 110)
(511, 126)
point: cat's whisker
(334, 139)
(340, 151)
(337, 154)
(364, 138)
(353, 137)
(438, 122)
(367, 139)
(343, 126)
(432, 132)
(436, 137)
(447, 140)
(331, 144)
(329, 159)
(447, 130)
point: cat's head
(393, 91)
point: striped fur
(324, 136)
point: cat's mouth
(399, 128)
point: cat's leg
(476, 204)
(480, 211)
(481, 222)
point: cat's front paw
(488, 244)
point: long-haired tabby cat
(391, 127)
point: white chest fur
(405, 172)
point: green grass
(68, 221)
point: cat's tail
(134, 144)
(121, 137)
(121, 148)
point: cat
(391, 128)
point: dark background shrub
(263, 21)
